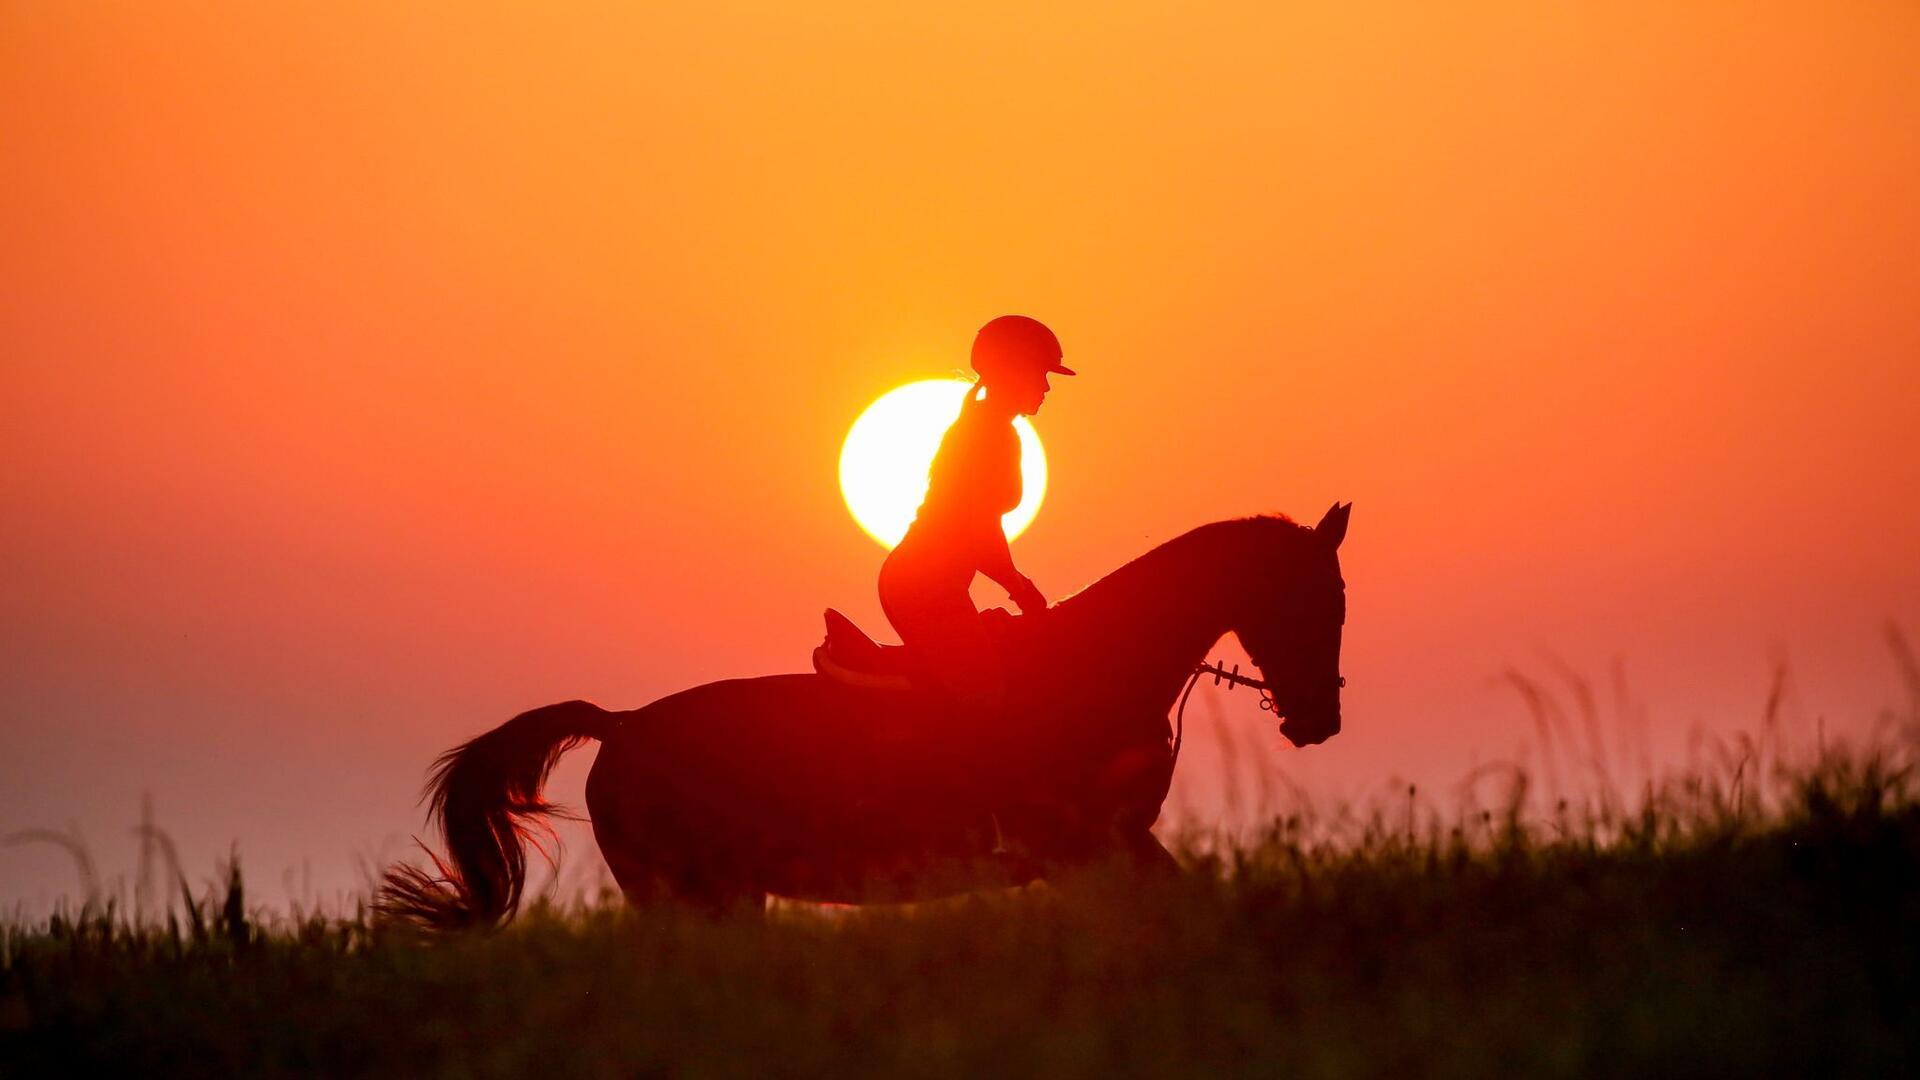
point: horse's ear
(1334, 525)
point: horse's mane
(1228, 543)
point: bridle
(1232, 678)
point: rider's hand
(1029, 597)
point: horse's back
(737, 739)
(775, 708)
(800, 776)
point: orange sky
(371, 376)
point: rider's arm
(1001, 471)
(997, 563)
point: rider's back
(974, 481)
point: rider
(956, 533)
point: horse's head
(1292, 627)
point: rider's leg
(928, 605)
(966, 662)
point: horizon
(373, 377)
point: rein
(1220, 673)
(1232, 678)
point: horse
(805, 787)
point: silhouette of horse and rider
(985, 750)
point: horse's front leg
(1135, 855)
(1149, 857)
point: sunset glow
(374, 372)
(883, 463)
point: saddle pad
(824, 664)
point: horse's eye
(1343, 682)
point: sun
(883, 463)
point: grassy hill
(1723, 927)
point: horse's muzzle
(1311, 731)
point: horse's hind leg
(647, 883)
(1149, 856)
(640, 882)
(731, 901)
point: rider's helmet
(1013, 342)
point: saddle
(848, 655)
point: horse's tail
(486, 795)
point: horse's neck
(1145, 626)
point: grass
(1752, 916)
